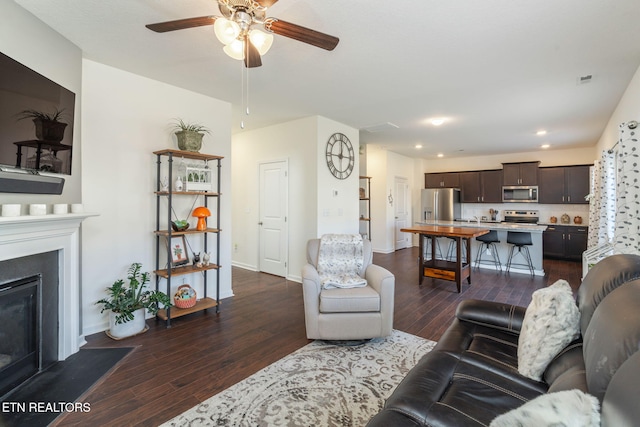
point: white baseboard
(244, 266)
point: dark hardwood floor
(172, 370)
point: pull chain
(244, 71)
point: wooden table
(444, 269)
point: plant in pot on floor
(189, 135)
(128, 303)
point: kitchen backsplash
(471, 210)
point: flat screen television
(29, 141)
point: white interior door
(401, 205)
(273, 218)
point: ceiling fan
(242, 41)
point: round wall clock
(340, 156)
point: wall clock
(340, 156)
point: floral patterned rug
(321, 384)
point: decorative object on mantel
(201, 213)
(189, 135)
(11, 209)
(565, 219)
(37, 209)
(127, 303)
(577, 219)
(553, 220)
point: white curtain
(627, 218)
(602, 202)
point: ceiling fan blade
(251, 55)
(297, 32)
(266, 3)
(181, 24)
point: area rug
(321, 384)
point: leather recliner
(471, 376)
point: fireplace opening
(20, 331)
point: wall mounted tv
(36, 121)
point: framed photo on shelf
(178, 249)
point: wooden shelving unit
(365, 206)
(163, 231)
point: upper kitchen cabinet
(442, 180)
(481, 186)
(525, 173)
(564, 184)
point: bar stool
(451, 250)
(520, 240)
(427, 248)
(488, 245)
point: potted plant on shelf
(129, 302)
(189, 135)
(48, 125)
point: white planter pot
(129, 328)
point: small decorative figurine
(164, 184)
(179, 184)
(206, 258)
(196, 260)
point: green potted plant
(48, 125)
(129, 302)
(189, 135)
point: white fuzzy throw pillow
(551, 322)
(571, 408)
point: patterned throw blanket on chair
(340, 258)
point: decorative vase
(127, 329)
(189, 140)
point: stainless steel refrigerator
(440, 204)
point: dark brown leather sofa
(471, 375)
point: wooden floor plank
(171, 370)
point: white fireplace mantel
(29, 235)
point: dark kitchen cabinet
(481, 186)
(564, 184)
(442, 180)
(564, 242)
(525, 173)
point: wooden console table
(455, 271)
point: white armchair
(352, 313)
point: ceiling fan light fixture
(235, 49)
(226, 31)
(261, 40)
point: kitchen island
(454, 270)
(502, 228)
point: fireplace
(28, 317)
(42, 253)
(19, 332)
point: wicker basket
(185, 297)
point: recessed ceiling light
(418, 146)
(541, 132)
(437, 121)
(545, 146)
(440, 155)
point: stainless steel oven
(520, 194)
(521, 217)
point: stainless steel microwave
(520, 194)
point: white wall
(30, 42)
(628, 109)
(302, 142)
(125, 118)
(384, 167)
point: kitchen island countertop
(505, 226)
